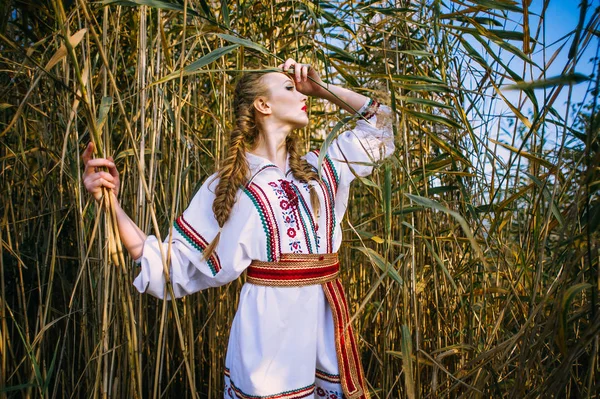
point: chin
(302, 124)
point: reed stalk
(470, 256)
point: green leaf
(548, 195)
(244, 42)
(410, 78)
(105, 105)
(525, 154)
(328, 140)
(407, 365)
(424, 87)
(507, 5)
(440, 190)
(582, 16)
(429, 203)
(417, 53)
(348, 77)
(408, 209)
(424, 101)
(515, 76)
(340, 54)
(17, 387)
(387, 199)
(225, 13)
(440, 263)
(560, 80)
(492, 33)
(163, 5)
(392, 10)
(51, 368)
(432, 118)
(567, 298)
(368, 182)
(378, 260)
(195, 66)
(474, 54)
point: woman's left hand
(313, 87)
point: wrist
(114, 200)
(322, 90)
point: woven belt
(297, 270)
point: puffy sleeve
(356, 151)
(191, 233)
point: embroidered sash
(297, 270)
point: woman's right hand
(94, 180)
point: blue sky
(561, 20)
(562, 17)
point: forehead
(275, 79)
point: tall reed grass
(471, 256)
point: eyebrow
(289, 81)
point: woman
(265, 211)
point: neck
(271, 143)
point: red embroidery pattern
(286, 186)
(288, 203)
(267, 216)
(329, 171)
(347, 352)
(332, 378)
(328, 394)
(199, 242)
(233, 392)
(371, 109)
(329, 187)
(290, 272)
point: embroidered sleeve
(189, 236)
(356, 151)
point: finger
(98, 180)
(92, 164)
(288, 64)
(106, 176)
(304, 73)
(101, 182)
(97, 162)
(112, 169)
(87, 153)
(298, 72)
(92, 181)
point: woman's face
(287, 104)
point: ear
(261, 104)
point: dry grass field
(470, 256)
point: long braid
(302, 170)
(234, 170)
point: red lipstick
(304, 108)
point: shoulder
(206, 193)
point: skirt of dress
(282, 345)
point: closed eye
(290, 87)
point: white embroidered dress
(281, 343)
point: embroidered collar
(257, 164)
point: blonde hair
(234, 171)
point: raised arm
(354, 152)
(309, 83)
